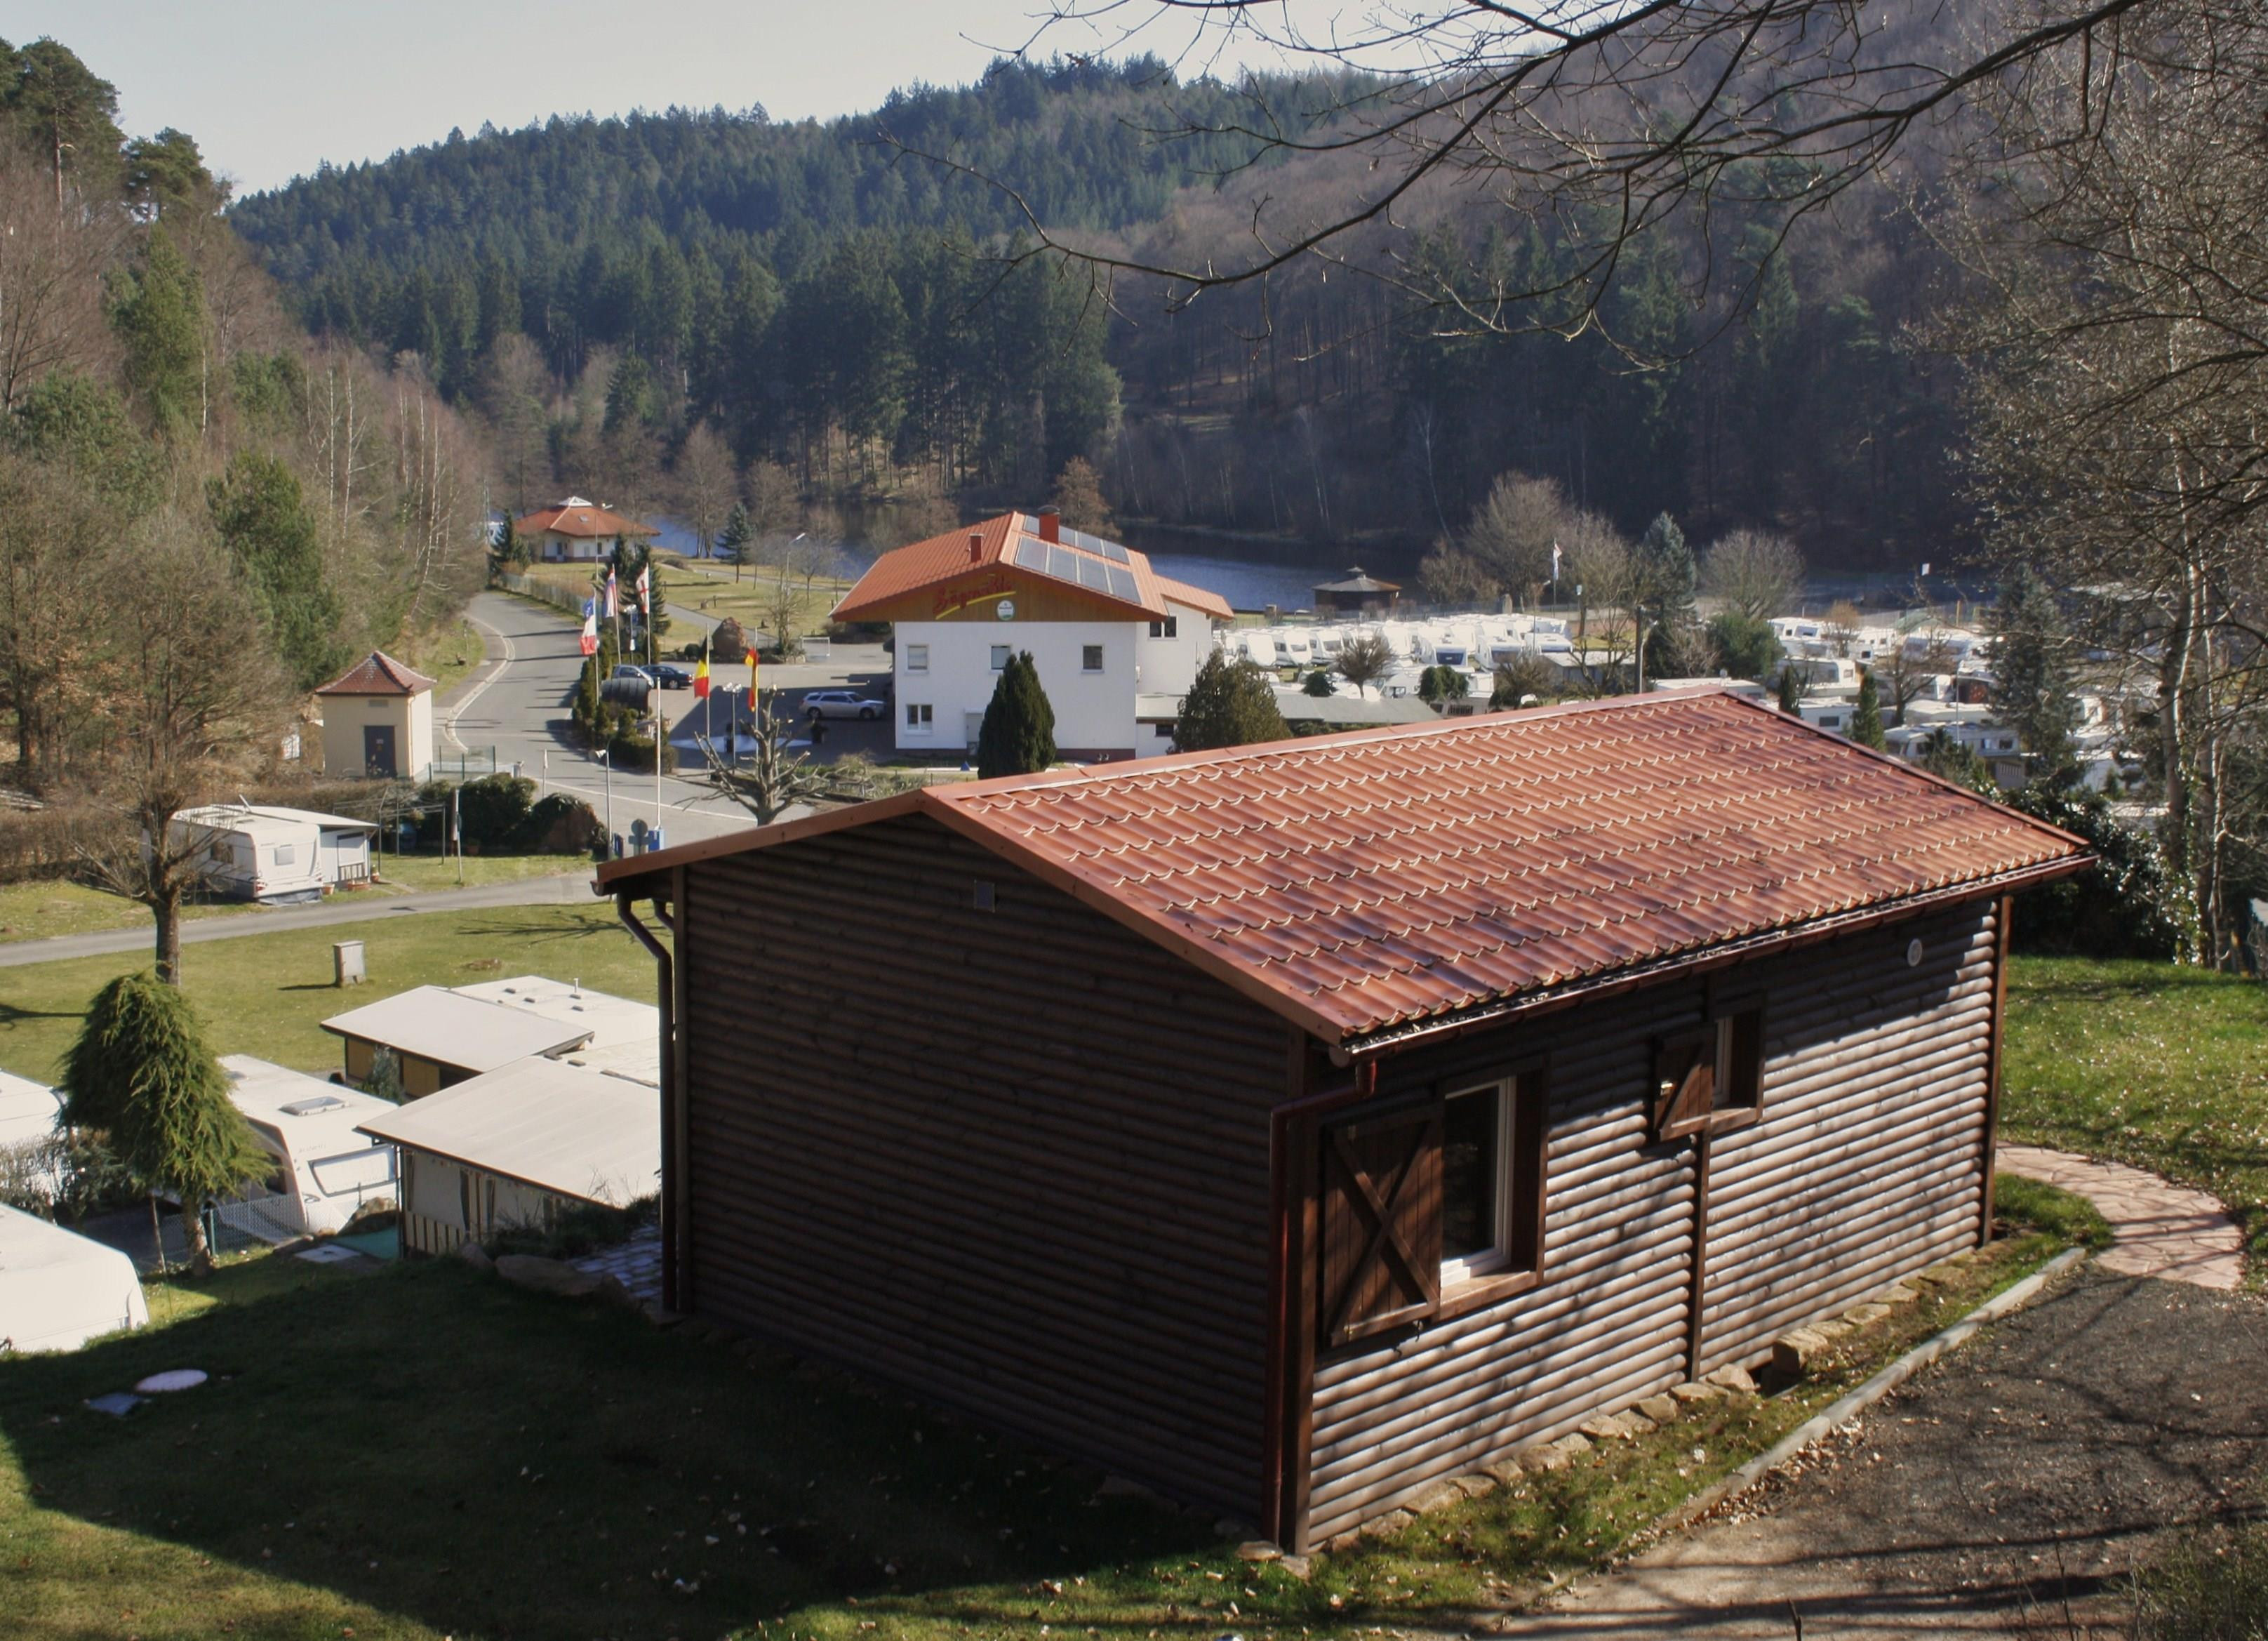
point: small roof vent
(312, 1107)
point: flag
(590, 607)
(1554, 562)
(614, 597)
(700, 680)
(590, 630)
(1924, 569)
(752, 678)
(645, 589)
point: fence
(543, 589)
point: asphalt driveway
(2011, 1485)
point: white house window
(919, 716)
(1000, 657)
(1170, 627)
(916, 658)
(1090, 658)
(1492, 1157)
(286, 854)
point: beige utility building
(378, 719)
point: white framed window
(1000, 657)
(1170, 627)
(916, 658)
(286, 854)
(1492, 1162)
(1090, 658)
(919, 716)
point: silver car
(842, 704)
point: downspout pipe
(626, 909)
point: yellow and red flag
(700, 680)
(752, 669)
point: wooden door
(377, 750)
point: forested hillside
(202, 513)
(830, 299)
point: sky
(272, 88)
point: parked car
(842, 704)
(661, 675)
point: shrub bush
(2124, 906)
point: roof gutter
(670, 1212)
(1394, 1039)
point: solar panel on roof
(1111, 550)
(1093, 573)
(1122, 585)
(1032, 554)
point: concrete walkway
(2164, 1229)
(362, 906)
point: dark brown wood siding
(1014, 1160)
(1865, 1164)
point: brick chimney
(976, 546)
(1050, 525)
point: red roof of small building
(895, 589)
(582, 520)
(377, 673)
(1368, 881)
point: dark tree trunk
(166, 909)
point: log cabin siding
(1865, 1164)
(1016, 1160)
(1868, 1161)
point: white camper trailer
(325, 1169)
(58, 1290)
(254, 851)
(30, 1118)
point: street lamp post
(607, 763)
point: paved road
(520, 704)
(360, 906)
(2025, 1472)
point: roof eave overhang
(1394, 1039)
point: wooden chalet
(1294, 1126)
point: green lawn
(267, 994)
(36, 911)
(445, 654)
(2146, 1063)
(426, 1452)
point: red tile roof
(895, 589)
(582, 522)
(1362, 881)
(377, 673)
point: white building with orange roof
(1115, 643)
(576, 531)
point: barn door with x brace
(1381, 1223)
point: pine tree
(2033, 689)
(1867, 719)
(1319, 683)
(733, 540)
(143, 1073)
(261, 514)
(1018, 734)
(1791, 690)
(1229, 704)
(161, 319)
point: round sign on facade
(1005, 609)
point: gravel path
(2021, 1474)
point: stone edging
(1841, 1412)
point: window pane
(1469, 1176)
(1000, 657)
(1091, 657)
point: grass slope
(2146, 1063)
(427, 1451)
(267, 994)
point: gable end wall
(1016, 1161)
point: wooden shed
(1293, 1126)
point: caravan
(325, 1171)
(255, 852)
